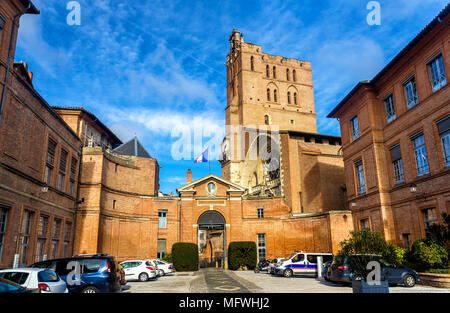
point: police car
(301, 263)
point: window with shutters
(397, 164)
(62, 170)
(73, 171)
(50, 161)
(3, 219)
(55, 237)
(161, 248)
(42, 238)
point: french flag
(203, 157)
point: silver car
(47, 281)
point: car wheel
(161, 273)
(143, 277)
(256, 270)
(90, 289)
(409, 281)
(287, 273)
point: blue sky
(145, 67)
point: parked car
(263, 266)
(45, 280)
(154, 265)
(301, 263)
(274, 263)
(163, 267)
(341, 272)
(98, 272)
(139, 269)
(7, 286)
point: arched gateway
(211, 239)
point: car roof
(132, 261)
(23, 269)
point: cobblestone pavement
(220, 281)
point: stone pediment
(222, 187)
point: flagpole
(209, 161)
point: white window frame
(436, 69)
(162, 220)
(420, 155)
(389, 108)
(410, 89)
(354, 127)
(260, 212)
(261, 245)
(445, 142)
(360, 179)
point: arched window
(266, 119)
(268, 94)
(275, 95)
(294, 77)
(267, 71)
(289, 97)
(252, 63)
(295, 98)
(274, 72)
(287, 74)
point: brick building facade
(396, 139)
(39, 160)
(297, 205)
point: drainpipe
(8, 65)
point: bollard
(319, 267)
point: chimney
(189, 176)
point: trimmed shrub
(426, 254)
(242, 254)
(185, 256)
(167, 258)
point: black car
(340, 271)
(98, 272)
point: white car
(139, 269)
(47, 281)
(273, 264)
(163, 267)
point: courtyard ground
(221, 281)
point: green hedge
(242, 254)
(185, 256)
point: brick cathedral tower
(263, 92)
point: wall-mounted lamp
(413, 188)
(353, 203)
(44, 188)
